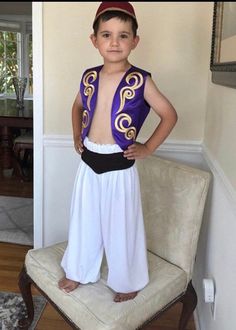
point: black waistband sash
(101, 163)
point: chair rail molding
(58, 141)
(168, 145)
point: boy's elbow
(175, 117)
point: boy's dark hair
(118, 14)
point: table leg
(7, 157)
(6, 145)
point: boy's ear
(135, 42)
(94, 40)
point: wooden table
(11, 118)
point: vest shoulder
(142, 71)
(95, 68)
(135, 68)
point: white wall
(217, 246)
(174, 47)
(220, 129)
(216, 254)
(177, 52)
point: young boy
(107, 114)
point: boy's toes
(120, 297)
(67, 285)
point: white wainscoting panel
(60, 166)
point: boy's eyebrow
(125, 32)
(106, 31)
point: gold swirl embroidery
(130, 132)
(89, 88)
(128, 92)
(85, 119)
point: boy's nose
(114, 41)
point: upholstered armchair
(173, 197)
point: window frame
(21, 24)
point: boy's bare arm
(77, 109)
(164, 109)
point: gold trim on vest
(129, 132)
(89, 88)
(128, 92)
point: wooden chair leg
(24, 284)
(189, 301)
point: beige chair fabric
(91, 306)
(173, 197)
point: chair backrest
(173, 199)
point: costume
(106, 209)
(129, 109)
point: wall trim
(58, 141)
(217, 171)
(168, 145)
(181, 146)
(37, 19)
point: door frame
(37, 24)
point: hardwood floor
(12, 258)
(11, 261)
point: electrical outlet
(209, 291)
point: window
(15, 55)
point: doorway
(16, 194)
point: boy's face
(114, 40)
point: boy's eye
(106, 35)
(124, 36)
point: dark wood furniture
(11, 119)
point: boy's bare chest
(106, 92)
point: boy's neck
(110, 68)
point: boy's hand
(137, 151)
(78, 144)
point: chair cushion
(91, 306)
(173, 199)
(24, 139)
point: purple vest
(129, 108)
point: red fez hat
(125, 7)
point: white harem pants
(106, 214)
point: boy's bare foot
(67, 285)
(119, 297)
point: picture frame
(223, 44)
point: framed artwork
(223, 45)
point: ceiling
(15, 8)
